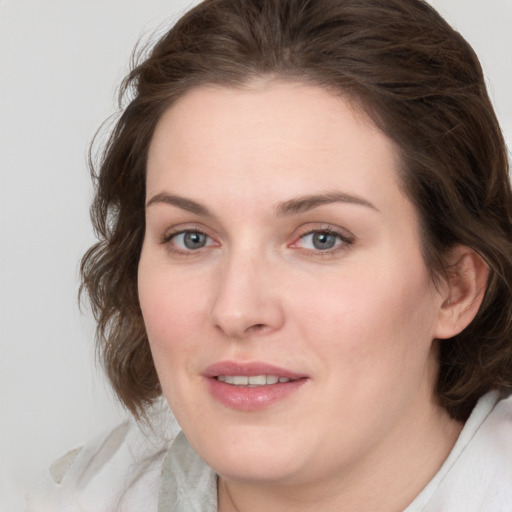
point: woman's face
(288, 307)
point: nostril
(257, 327)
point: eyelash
(344, 241)
(170, 236)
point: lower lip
(246, 398)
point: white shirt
(130, 471)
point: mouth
(251, 386)
(252, 381)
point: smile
(252, 386)
(253, 380)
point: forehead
(270, 137)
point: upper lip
(249, 369)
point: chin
(259, 470)
(246, 457)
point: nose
(247, 301)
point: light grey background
(60, 63)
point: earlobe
(465, 286)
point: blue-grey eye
(323, 241)
(320, 240)
(191, 240)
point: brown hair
(418, 80)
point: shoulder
(478, 473)
(488, 447)
(118, 470)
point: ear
(462, 292)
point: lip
(249, 369)
(251, 398)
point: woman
(305, 231)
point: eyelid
(346, 238)
(170, 234)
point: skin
(359, 319)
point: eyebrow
(290, 207)
(309, 202)
(181, 202)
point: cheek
(170, 307)
(372, 337)
(371, 320)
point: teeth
(252, 381)
(240, 381)
(257, 380)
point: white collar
(188, 484)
